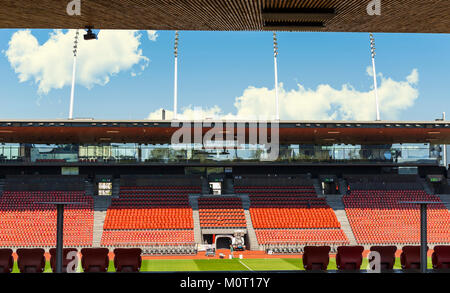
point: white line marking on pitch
(245, 265)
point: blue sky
(217, 67)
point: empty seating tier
(134, 238)
(302, 236)
(151, 208)
(223, 212)
(376, 216)
(148, 218)
(289, 207)
(150, 215)
(292, 215)
(27, 223)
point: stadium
(214, 195)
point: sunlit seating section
(221, 212)
(302, 236)
(25, 222)
(146, 237)
(289, 207)
(156, 212)
(288, 210)
(150, 208)
(378, 216)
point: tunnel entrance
(223, 242)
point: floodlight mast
(75, 48)
(175, 83)
(445, 147)
(275, 55)
(372, 50)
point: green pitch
(269, 264)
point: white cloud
(189, 113)
(413, 77)
(369, 71)
(50, 65)
(152, 35)
(321, 103)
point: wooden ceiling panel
(413, 16)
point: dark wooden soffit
(412, 16)
(160, 132)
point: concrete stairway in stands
(254, 245)
(197, 229)
(101, 204)
(446, 199)
(335, 202)
(193, 201)
(99, 220)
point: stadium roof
(161, 131)
(427, 16)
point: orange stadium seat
(377, 217)
(224, 212)
(301, 236)
(146, 215)
(25, 223)
(292, 214)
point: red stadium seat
(127, 260)
(441, 257)
(6, 260)
(221, 212)
(349, 257)
(387, 254)
(376, 215)
(316, 257)
(28, 224)
(410, 257)
(150, 215)
(65, 260)
(95, 260)
(31, 260)
(292, 215)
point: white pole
(275, 54)
(445, 146)
(376, 88)
(73, 75)
(372, 48)
(175, 83)
(73, 87)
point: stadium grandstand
(138, 190)
(126, 189)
